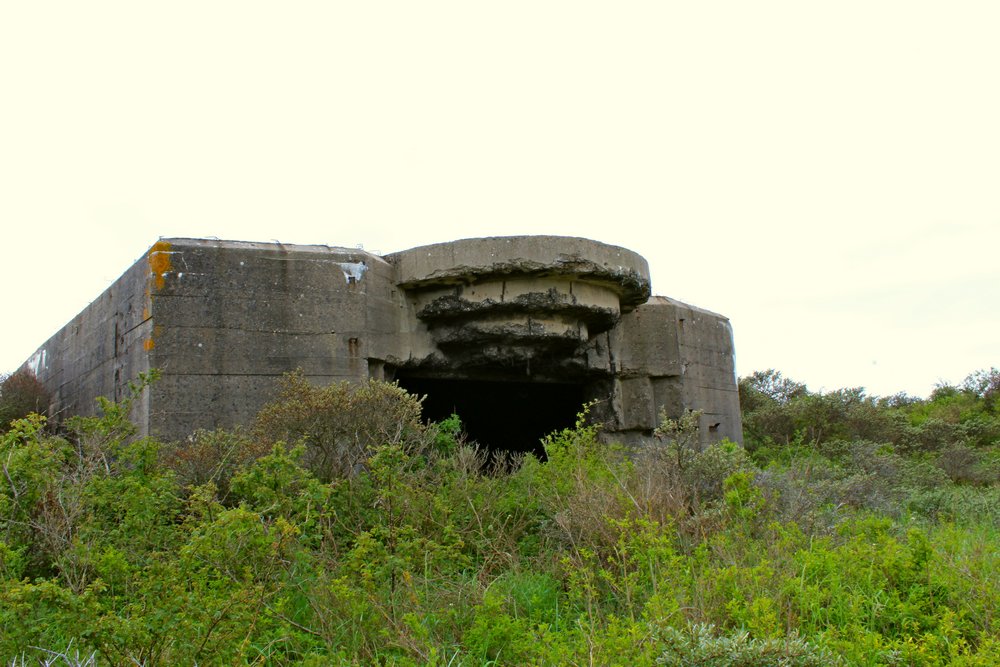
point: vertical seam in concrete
(611, 352)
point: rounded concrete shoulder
(470, 260)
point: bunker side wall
(708, 371)
(673, 357)
(100, 350)
(229, 319)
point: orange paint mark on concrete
(147, 303)
(150, 342)
(159, 262)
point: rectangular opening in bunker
(503, 417)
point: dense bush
(957, 426)
(341, 424)
(815, 547)
(212, 457)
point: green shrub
(340, 424)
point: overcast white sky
(827, 175)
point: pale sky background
(827, 175)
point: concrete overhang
(468, 261)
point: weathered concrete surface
(100, 350)
(230, 317)
(223, 320)
(675, 357)
(458, 262)
(513, 307)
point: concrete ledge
(471, 260)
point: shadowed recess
(504, 417)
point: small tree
(770, 385)
(986, 385)
(21, 394)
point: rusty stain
(159, 262)
(353, 347)
(149, 343)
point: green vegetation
(339, 529)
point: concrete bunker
(513, 333)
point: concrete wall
(100, 350)
(673, 357)
(229, 319)
(707, 370)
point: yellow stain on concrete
(159, 262)
(149, 343)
